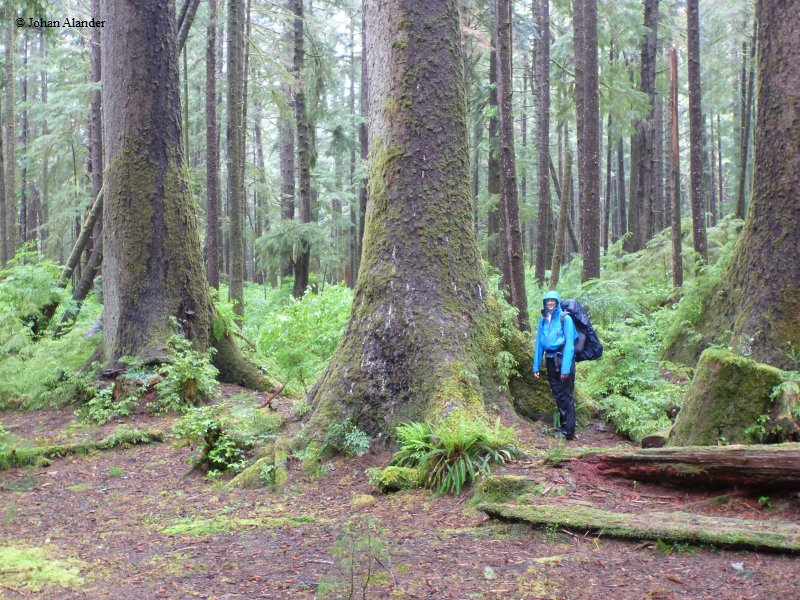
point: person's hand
(564, 377)
(536, 374)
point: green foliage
(344, 437)
(453, 452)
(225, 433)
(30, 378)
(298, 337)
(360, 553)
(188, 379)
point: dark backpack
(587, 346)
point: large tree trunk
(542, 76)
(494, 243)
(696, 131)
(153, 271)
(759, 297)
(213, 231)
(301, 265)
(415, 344)
(509, 202)
(235, 156)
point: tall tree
(11, 139)
(645, 133)
(493, 254)
(3, 221)
(421, 305)
(744, 136)
(301, 265)
(235, 157)
(696, 131)
(542, 76)
(758, 298)
(514, 276)
(674, 172)
(363, 140)
(153, 272)
(213, 230)
(561, 234)
(587, 104)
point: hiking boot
(561, 434)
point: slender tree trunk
(24, 232)
(363, 140)
(744, 151)
(494, 254)
(590, 180)
(720, 180)
(3, 221)
(243, 143)
(646, 132)
(674, 172)
(96, 140)
(11, 141)
(555, 266)
(301, 266)
(658, 166)
(712, 196)
(607, 203)
(696, 131)
(542, 76)
(353, 235)
(523, 183)
(213, 230)
(235, 159)
(512, 235)
(622, 217)
(185, 104)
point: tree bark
(412, 348)
(555, 266)
(96, 139)
(589, 138)
(774, 466)
(363, 140)
(674, 172)
(512, 235)
(494, 243)
(301, 265)
(11, 141)
(153, 274)
(235, 158)
(744, 150)
(3, 221)
(542, 76)
(213, 232)
(622, 217)
(696, 131)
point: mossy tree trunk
(759, 297)
(696, 131)
(542, 76)
(213, 231)
(422, 321)
(152, 265)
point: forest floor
(137, 523)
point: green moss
(726, 397)
(675, 526)
(223, 524)
(33, 569)
(393, 479)
(39, 455)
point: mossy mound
(393, 479)
(34, 569)
(729, 398)
(503, 488)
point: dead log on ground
(762, 467)
(673, 526)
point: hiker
(555, 338)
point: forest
(399, 298)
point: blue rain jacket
(554, 338)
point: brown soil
(110, 510)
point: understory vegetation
(634, 309)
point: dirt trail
(138, 525)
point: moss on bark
(727, 396)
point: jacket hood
(552, 295)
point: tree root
(235, 367)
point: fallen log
(762, 467)
(673, 526)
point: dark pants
(564, 392)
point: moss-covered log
(671, 527)
(730, 400)
(424, 329)
(757, 467)
(40, 455)
(758, 299)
